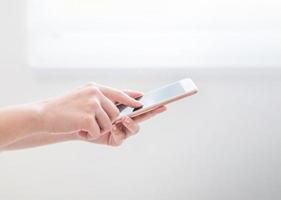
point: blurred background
(223, 143)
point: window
(154, 33)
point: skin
(85, 114)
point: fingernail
(114, 128)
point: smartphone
(159, 97)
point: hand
(89, 109)
(126, 128)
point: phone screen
(154, 98)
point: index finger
(133, 93)
(123, 98)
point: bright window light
(154, 33)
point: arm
(85, 108)
(87, 111)
(40, 139)
(17, 122)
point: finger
(131, 126)
(103, 121)
(116, 137)
(94, 131)
(110, 108)
(133, 93)
(150, 114)
(123, 98)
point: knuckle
(93, 90)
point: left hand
(121, 131)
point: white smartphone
(161, 96)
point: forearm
(40, 139)
(17, 122)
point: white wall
(223, 143)
(154, 33)
(12, 34)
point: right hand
(90, 109)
